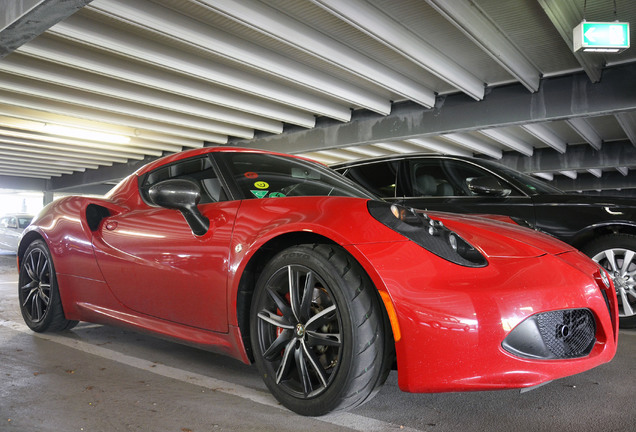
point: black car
(602, 227)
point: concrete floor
(97, 378)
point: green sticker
(259, 193)
(276, 195)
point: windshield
(529, 184)
(261, 175)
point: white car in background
(11, 227)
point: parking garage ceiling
(91, 90)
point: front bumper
(454, 320)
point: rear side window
(199, 170)
(378, 177)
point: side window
(199, 170)
(429, 178)
(378, 178)
(4, 222)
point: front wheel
(317, 330)
(38, 293)
(617, 254)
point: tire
(38, 292)
(617, 254)
(323, 352)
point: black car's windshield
(529, 184)
(261, 175)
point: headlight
(431, 234)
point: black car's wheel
(38, 294)
(617, 254)
(318, 330)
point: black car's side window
(379, 178)
(451, 178)
(199, 170)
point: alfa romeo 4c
(279, 261)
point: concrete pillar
(47, 197)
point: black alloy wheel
(38, 293)
(318, 331)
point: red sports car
(277, 260)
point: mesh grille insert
(567, 333)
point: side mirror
(182, 195)
(487, 185)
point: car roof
(205, 150)
(404, 157)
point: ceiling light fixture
(35, 108)
(84, 134)
(63, 131)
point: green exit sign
(612, 37)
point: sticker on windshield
(261, 185)
(277, 195)
(251, 175)
(259, 193)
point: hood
(495, 238)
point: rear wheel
(318, 330)
(617, 254)
(38, 293)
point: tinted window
(531, 185)
(447, 177)
(199, 170)
(260, 175)
(377, 177)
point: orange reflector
(388, 304)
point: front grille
(561, 334)
(567, 333)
